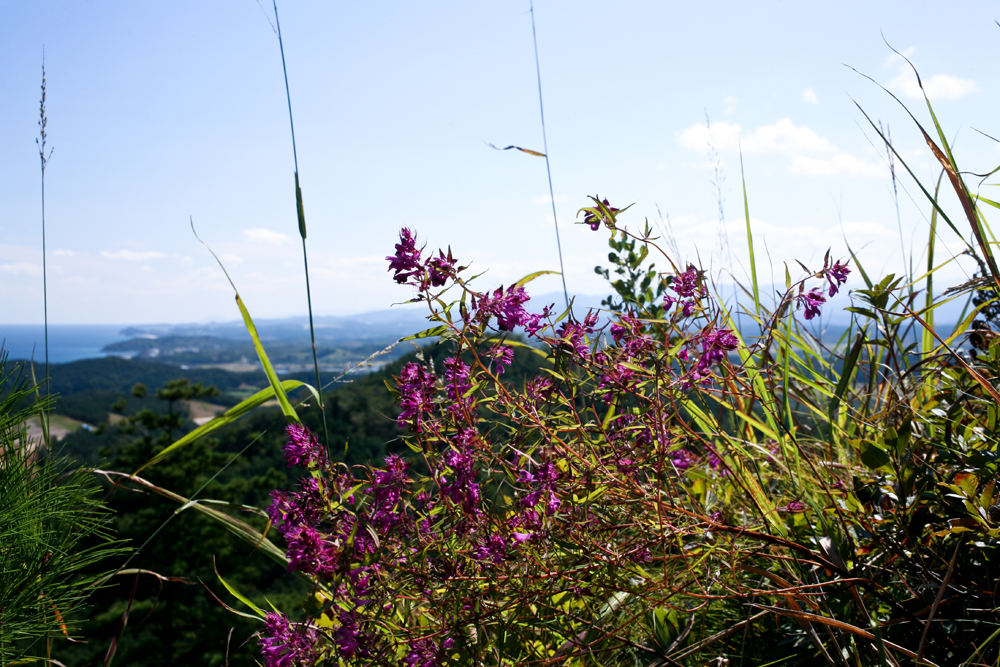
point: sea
(67, 342)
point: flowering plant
(557, 520)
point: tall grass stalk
(545, 147)
(40, 141)
(302, 225)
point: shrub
(667, 489)
(53, 531)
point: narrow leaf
(523, 150)
(272, 377)
(232, 414)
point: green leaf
(229, 416)
(239, 596)
(845, 374)
(753, 260)
(872, 455)
(531, 348)
(272, 377)
(428, 333)
(861, 311)
(968, 482)
(531, 276)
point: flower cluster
(408, 266)
(417, 386)
(564, 483)
(812, 301)
(303, 449)
(602, 213)
(285, 646)
(503, 355)
(688, 287)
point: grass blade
(272, 377)
(753, 259)
(229, 416)
(845, 375)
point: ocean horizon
(67, 342)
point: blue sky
(158, 111)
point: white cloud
(229, 258)
(841, 164)
(782, 137)
(264, 236)
(893, 59)
(64, 253)
(937, 87)
(786, 138)
(730, 103)
(132, 255)
(723, 135)
(809, 95)
(809, 153)
(21, 269)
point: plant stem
(302, 231)
(545, 145)
(40, 142)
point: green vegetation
(55, 537)
(667, 490)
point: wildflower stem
(545, 147)
(302, 230)
(42, 122)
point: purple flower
(572, 335)
(533, 322)
(627, 325)
(688, 284)
(406, 262)
(682, 459)
(538, 389)
(493, 548)
(812, 300)
(302, 448)
(545, 477)
(507, 307)
(714, 347)
(616, 378)
(503, 355)
(457, 383)
(292, 510)
(416, 389)
(795, 507)
(387, 490)
(643, 555)
(717, 464)
(284, 646)
(423, 653)
(837, 276)
(604, 212)
(441, 268)
(309, 552)
(350, 639)
(463, 489)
